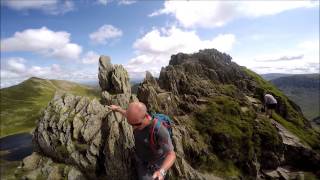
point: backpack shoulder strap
(154, 130)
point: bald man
(151, 163)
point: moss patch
(229, 133)
(80, 147)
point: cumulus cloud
(105, 33)
(53, 7)
(156, 46)
(43, 41)
(90, 58)
(15, 70)
(218, 13)
(15, 67)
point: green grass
(234, 137)
(310, 176)
(22, 103)
(307, 136)
(228, 131)
(265, 86)
(7, 169)
(293, 120)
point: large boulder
(84, 133)
(78, 131)
(37, 166)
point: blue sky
(63, 39)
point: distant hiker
(270, 104)
(154, 150)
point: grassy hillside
(294, 121)
(20, 104)
(303, 90)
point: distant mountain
(20, 104)
(304, 90)
(271, 76)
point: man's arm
(166, 145)
(118, 109)
(166, 165)
(168, 161)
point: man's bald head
(136, 112)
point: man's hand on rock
(114, 107)
(157, 175)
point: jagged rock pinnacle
(113, 78)
(114, 83)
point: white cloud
(155, 48)
(53, 7)
(16, 65)
(15, 70)
(103, 2)
(126, 2)
(211, 14)
(309, 45)
(90, 58)
(105, 33)
(43, 41)
(120, 2)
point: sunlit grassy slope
(21, 104)
(295, 122)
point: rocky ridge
(89, 139)
(81, 137)
(193, 82)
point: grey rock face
(37, 166)
(155, 98)
(113, 78)
(84, 133)
(194, 73)
(187, 78)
